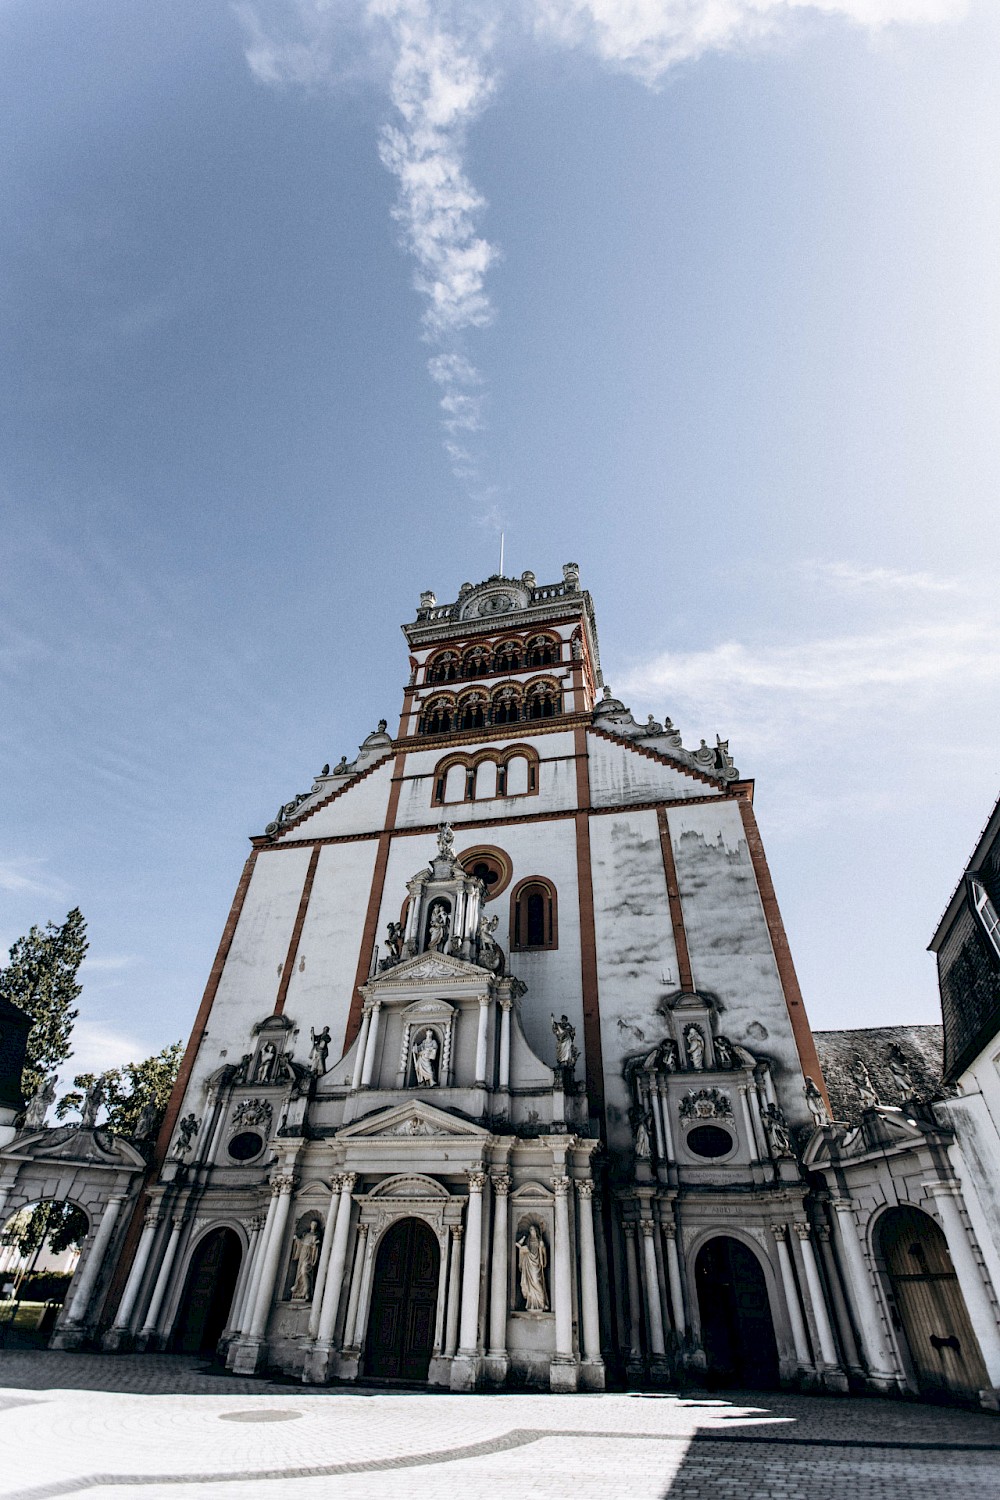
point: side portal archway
(208, 1292)
(736, 1327)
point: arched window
(486, 780)
(533, 915)
(508, 657)
(543, 700)
(490, 865)
(443, 668)
(477, 662)
(542, 651)
(506, 704)
(520, 776)
(437, 716)
(472, 711)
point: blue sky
(709, 295)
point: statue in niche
(425, 1053)
(92, 1101)
(565, 1035)
(446, 841)
(305, 1250)
(265, 1063)
(437, 928)
(320, 1049)
(725, 1057)
(816, 1103)
(643, 1150)
(186, 1132)
(866, 1088)
(694, 1045)
(532, 1259)
(776, 1127)
(38, 1104)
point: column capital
(483, 999)
(282, 1182)
(150, 1218)
(362, 1230)
(647, 1226)
(335, 1182)
(178, 1221)
(628, 1229)
(585, 1187)
(505, 1002)
(780, 1232)
(802, 1230)
(669, 1229)
(477, 1180)
(347, 1181)
(501, 1184)
(457, 1231)
(560, 1186)
(256, 1224)
(942, 1189)
(823, 1232)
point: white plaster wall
(975, 1117)
(636, 958)
(556, 784)
(249, 983)
(547, 849)
(322, 982)
(728, 939)
(619, 774)
(359, 809)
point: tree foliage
(63, 1224)
(131, 1092)
(41, 978)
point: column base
(149, 1343)
(592, 1376)
(495, 1368)
(989, 1399)
(319, 1366)
(465, 1372)
(439, 1371)
(246, 1356)
(564, 1375)
(661, 1371)
(348, 1365)
(118, 1341)
(833, 1378)
(71, 1337)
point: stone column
(163, 1279)
(563, 1290)
(827, 1346)
(947, 1196)
(324, 1255)
(505, 1007)
(752, 1141)
(359, 1056)
(656, 1343)
(634, 1305)
(668, 1133)
(880, 1362)
(780, 1232)
(590, 1305)
(281, 1190)
(471, 1267)
(253, 1279)
(454, 1290)
(444, 1265)
(498, 1268)
(841, 1314)
(86, 1279)
(669, 1229)
(656, 1105)
(334, 1281)
(126, 1307)
(354, 1296)
(372, 1044)
(481, 1038)
(758, 1124)
(239, 1311)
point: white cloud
(850, 576)
(111, 963)
(27, 876)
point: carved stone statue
(92, 1101)
(777, 1130)
(265, 1063)
(642, 1147)
(320, 1048)
(382, 725)
(816, 1103)
(724, 1055)
(305, 1250)
(340, 769)
(867, 1089)
(565, 1035)
(425, 1053)
(668, 1056)
(694, 1045)
(490, 954)
(532, 1259)
(393, 944)
(437, 928)
(186, 1132)
(38, 1104)
(446, 841)
(148, 1121)
(901, 1075)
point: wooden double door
(404, 1302)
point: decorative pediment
(424, 969)
(412, 1119)
(75, 1143)
(412, 1185)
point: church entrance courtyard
(166, 1427)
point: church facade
(502, 1074)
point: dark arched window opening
(506, 708)
(507, 658)
(533, 916)
(477, 662)
(443, 669)
(473, 716)
(437, 719)
(541, 652)
(544, 703)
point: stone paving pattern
(165, 1427)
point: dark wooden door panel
(404, 1302)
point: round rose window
(246, 1145)
(709, 1140)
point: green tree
(131, 1092)
(41, 978)
(62, 1224)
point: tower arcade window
(533, 916)
(543, 651)
(437, 716)
(543, 700)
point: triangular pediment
(76, 1144)
(412, 1119)
(430, 968)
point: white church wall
(636, 958)
(360, 808)
(556, 783)
(728, 938)
(321, 986)
(620, 774)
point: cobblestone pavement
(167, 1428)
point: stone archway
(39, 1251)
(208, 1293)
(927, 1304)
(400, 1337)
(737, 1331)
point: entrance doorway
(404, 1300)
(737, 1333)
(927, 1304)
(39, 1250)
(208, 1292)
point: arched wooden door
(404, 1301)
(928, 1304)
(208, 1292)
(737, 1333)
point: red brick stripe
(685, 978)
(293, 944)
